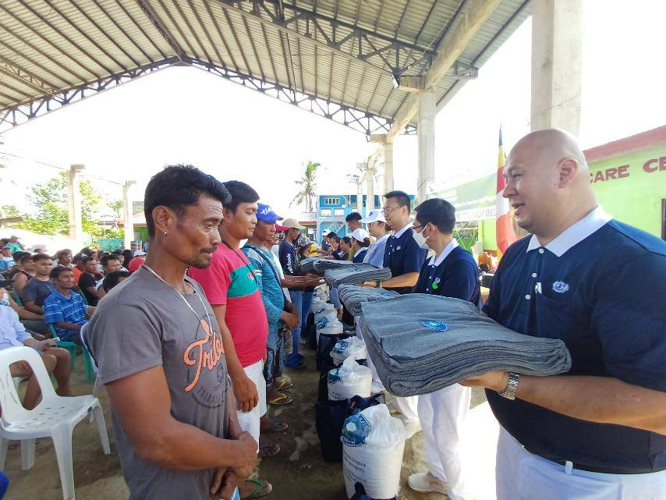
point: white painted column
(557, 27)
(388, 167)
(127, 214)
(370, 190)
(426, 139)
(74, 204)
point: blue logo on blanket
(434, 325)
(322, 323)
(356, 430)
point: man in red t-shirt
(232, 289)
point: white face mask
(421, 240)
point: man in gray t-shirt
(161, 357)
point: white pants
(524, 476)
(251, 421)
(408, 408)
(442, 415)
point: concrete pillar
(74, 204)
(370, 190)
(557, 27)
(127, 214)
(387, 153)
(388, 167)
(426, 139)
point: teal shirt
(269, 284)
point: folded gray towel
(421, 343)
(353, 296)
(356, 273)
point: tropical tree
(308, 184)
(51, 212)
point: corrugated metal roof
(344, 52)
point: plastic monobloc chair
(55, 417)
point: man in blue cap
(280, 312)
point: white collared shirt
(398, 234)
(437, 260)
(574, 234)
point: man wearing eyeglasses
(404, 257)
(402, 254)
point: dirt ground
(298, 472)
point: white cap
(139, 253)
(374, 216)
(360, 234)
(291, 224)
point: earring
(165, 233)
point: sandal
(276, 427)
(263, 488)
(269, 449)
(281, 400)
(285, 384)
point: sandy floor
(297, 473)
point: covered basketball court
(381, 67)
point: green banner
(474, 200)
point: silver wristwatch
(510, 391)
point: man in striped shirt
(64, 309)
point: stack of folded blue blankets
(353, 296)
(356, 273)
(421, 343)
(319, 265)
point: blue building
(332, 210)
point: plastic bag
(330, 416)
(325, 344)
(373, 444)
(351, 347)
(349, 380)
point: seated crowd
(49, 299)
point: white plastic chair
(54, 417)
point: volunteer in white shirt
(379, 230)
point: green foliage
(308, 185)
(52, 214)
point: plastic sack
(325, 344)
(330, 416)
(322, 321)
(324, 310)
(349, 380)
(332, 328)
(351, 347)
(373, 444)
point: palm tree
(308, 185)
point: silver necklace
(180, 294)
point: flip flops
(284, 384)
(270, 449)
(263, 488)
(281, 400)
(276, 427)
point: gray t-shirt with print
(143, 323)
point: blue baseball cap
(265, 213)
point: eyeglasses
(421, 225)
(388, 210)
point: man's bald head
(550, 146)
(548, 181)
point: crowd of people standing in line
(192, 347)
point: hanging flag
(503, 224)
